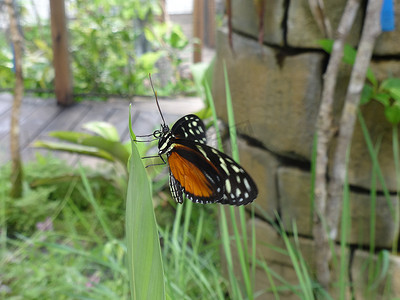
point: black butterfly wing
(239, 187)
(190, 127)
(176, 189)
(192, 174)
(207, 175)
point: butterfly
(200, 172)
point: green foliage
(105, 38)
(386, 92)
(75, 247)
(106, 144)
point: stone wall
(276, 89)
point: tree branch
(16, 173)
(371, 30)
(324, 135)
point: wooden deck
(40, 116)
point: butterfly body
(202, 173)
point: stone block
(388, 43)
(360, 163)
(272, 250)
(294, 190)
(303, 31)
(245, 20)
(262, 166)
(278, 97)
(381, 285)
(295, 199)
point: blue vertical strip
(387, 15)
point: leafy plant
(106, 144)
(110, 53)
(386, 92)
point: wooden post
(198, 29)
(59, 34)
(209, 38)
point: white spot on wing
(235, 168)
(246, 183)
(228, 186)
(237, 192)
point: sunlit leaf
(103, 129)
(73, 148)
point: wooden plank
(5, 103)
(30, 128)
(119, 119)
(5, 120)
(59, 34)
(65, 121)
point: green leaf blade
(144, 252)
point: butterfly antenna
(155, 94)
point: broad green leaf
(73, 148)
(103, 129)
(383, 98)
(148, 59)
(392, 85)
(115, 149)
(392, 113)
(70, 136)
(145, 268)
(366, 94)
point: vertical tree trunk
(16, 172)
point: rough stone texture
(278, 98)
(384, 69)
(245, 20)
(262, 167)
(387, 287)
(303, 31)
(294, 190)
(295, 199)
(388, 43)
(360, 165)
(269, 249)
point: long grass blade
(145, 266)
(234, 285)
(241, 241)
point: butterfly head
(164, 139)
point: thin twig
(324, 134)
(318, 11)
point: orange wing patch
(189, 176)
